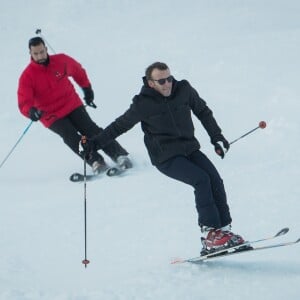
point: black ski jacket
(166, 121)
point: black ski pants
(79, 123)
(199, 172)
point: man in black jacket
(164, 108)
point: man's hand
(34, 114)
(86, 147)
(218, 148)
(89, 96)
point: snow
(242, 57)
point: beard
(44, 61)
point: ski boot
(123, 162)
(99, 167)
(219, 239)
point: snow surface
(243, 58)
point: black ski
(112, 171)
(77, 177)
(115, 171)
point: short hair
(35, 41)
(157, 65)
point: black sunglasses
(163, 80)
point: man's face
(39, 53)
(161, 81)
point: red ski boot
(218, 239)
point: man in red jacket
(45, 93)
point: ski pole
(18, 141)
(261, 124)
(39, 32)
(85, 261)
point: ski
(115, 171)
(77, 177)
(245, 247)
(110, 172)
(249, 249)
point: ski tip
(75, 177)
(283, 231)
(112, 171)
(177, 261)
(115, 171)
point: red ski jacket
(48, 88)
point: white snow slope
(243, 58)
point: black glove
(34, 114)
(89, 96)
(87, 147)
(218, 148)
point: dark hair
(35, 41)
(157, 65)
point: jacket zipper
(172, 117)
(175, 125)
